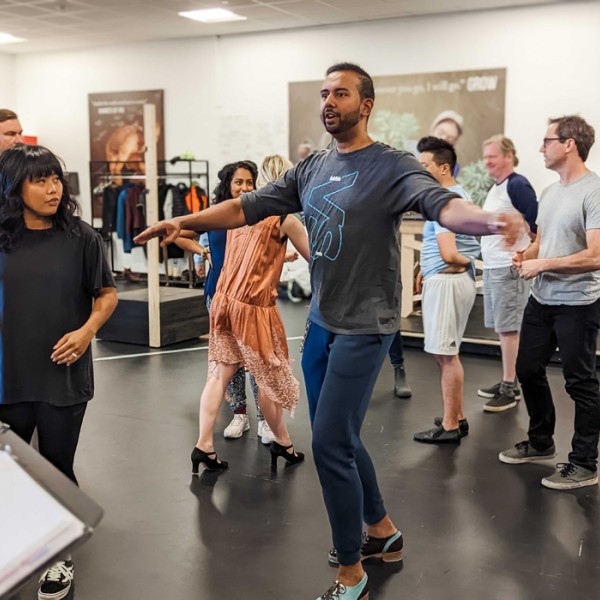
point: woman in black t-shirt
(56, 291)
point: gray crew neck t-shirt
(565, 214)
(352, 204)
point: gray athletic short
(505, 295)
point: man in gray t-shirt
(564, 307)
(353, 196)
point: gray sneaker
(505, 399)
(524, 452)
(569, 477)
(494, 389)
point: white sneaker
(55, 583)
(264, 432)
(238, 426)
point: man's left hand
(531, 268)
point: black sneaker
(463, 425)
(438, 435)
(505, 399)
(390, 549)
(55, 583)
(494, 389)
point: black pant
(574, 329)
(58, 429)
(396, 352)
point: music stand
(43, 514)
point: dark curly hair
(25, 163)
(223, 190)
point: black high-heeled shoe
(210, 460)
(278, 450)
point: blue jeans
(340, 372)
(574, 329)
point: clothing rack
(105, 173)
(100, 172)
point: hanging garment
(196, 199)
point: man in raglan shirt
(353, 196)
(505, 293)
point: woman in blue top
(235, 179)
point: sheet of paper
(33, 525)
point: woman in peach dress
(246, 328)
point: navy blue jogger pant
(340, 372)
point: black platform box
(183, 317)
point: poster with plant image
(464, 107)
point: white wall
(226, 98)
(52, 94)
(7, 81)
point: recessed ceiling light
(7, 38)
(212, 15)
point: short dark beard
(346, 122)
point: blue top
(353, 203)
(217, 242)
(432, 262)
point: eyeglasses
(546, 141)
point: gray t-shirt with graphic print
(565, 214)
(352, 204)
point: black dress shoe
(463, 425)
(438, 435)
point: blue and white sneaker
(390, 549)
(339, 591)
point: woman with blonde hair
(246, 328)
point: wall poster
(117, 138)
(464, 107)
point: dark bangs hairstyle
(26, 163)
(225, 175)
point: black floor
(474, 529)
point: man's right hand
(168, 230)
(518, 259)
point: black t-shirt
(47, 286)
(352, 204)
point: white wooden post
(151, 217)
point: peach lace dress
(245, 326)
